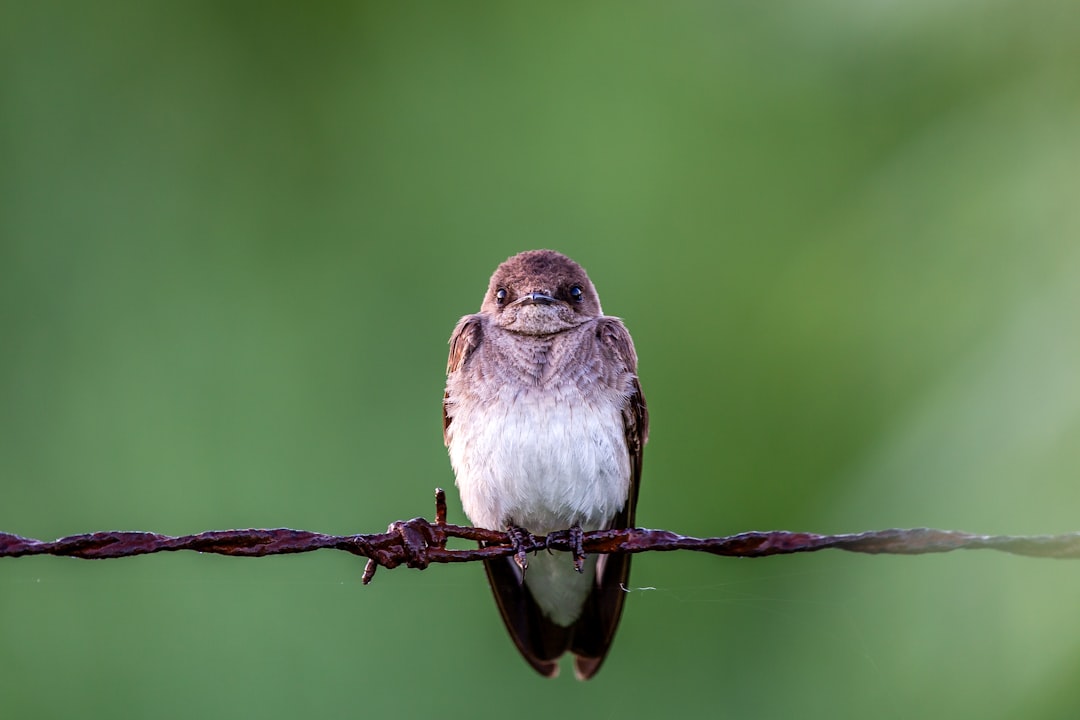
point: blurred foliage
(234, 238)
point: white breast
(544, 458)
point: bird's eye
(500, 295)
(575, 292)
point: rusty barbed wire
(417, 543)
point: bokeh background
(234, 238)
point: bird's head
(540, 292)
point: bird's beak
(535, 298)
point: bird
(545, 422)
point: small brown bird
(545, 424)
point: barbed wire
(417, 543)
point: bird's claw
(571, 539)
(522, 541)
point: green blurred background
(234, 238)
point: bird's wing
(595, 629)
(539, 640)
(463, 341)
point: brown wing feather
(540, 641)
(595, 629)
(463, 341)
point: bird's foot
(572, 540)
(522, 541)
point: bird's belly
(543, 461)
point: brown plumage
(545, 421)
